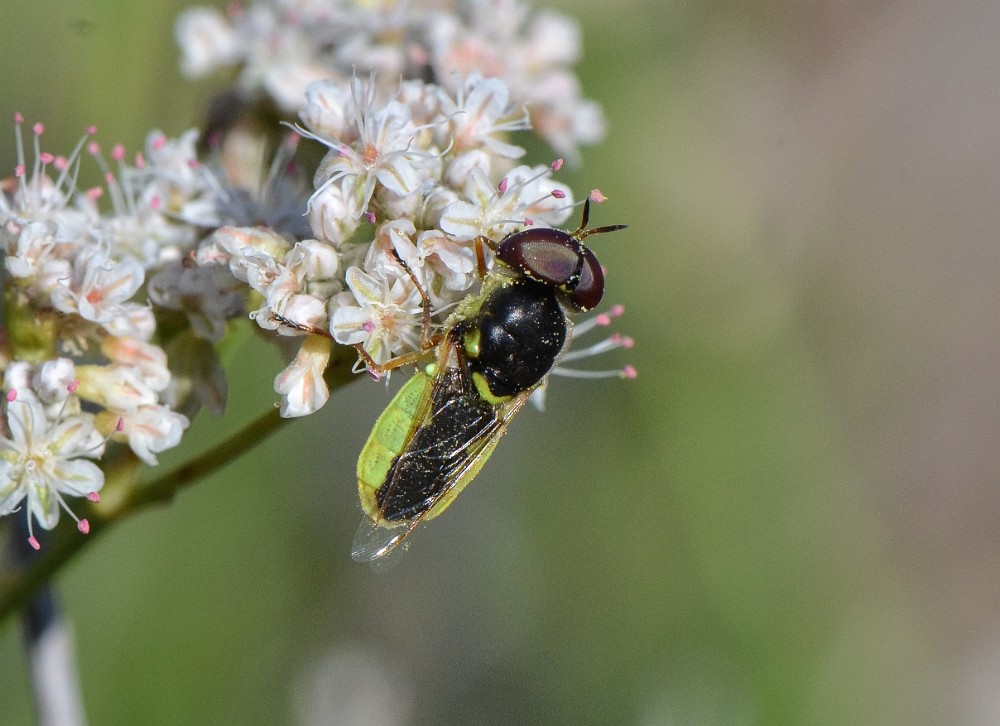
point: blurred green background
(790, 517)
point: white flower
(454, 262)
(236, 243)
(526, 196)
(301, 384)
(482, 114)
(383, 152)
(333, 216)
(329, 111)
(151, 429)
(117, 387)
(148, 361)
(53, 379)
(173, 180)
(313, 260)
(207, 41)
(32, 247)
(40, 461)
(98, 291)
(381, 313)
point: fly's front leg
(301, 327)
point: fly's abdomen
(390, 435)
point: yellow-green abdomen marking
(389, 436)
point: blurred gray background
(791, 517)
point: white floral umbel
(79, 362)
(281, 46)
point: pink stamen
(93, 497)
(556, 165)
(502, 186)
(18, 117)
(46, 158)
(38, 129)
(616, 311)
(120, 426)
(629, 372)
(603, 320)
(140, 161)
(597, 196)
(370, 216)
(528, 222)
(627, 342)
(34, 543)
(344, 150)
(19, 170)
(94, 193)
(155, 202)
(11, 395)
(93, 148)
(73, 385)
(194, 164)
(158, 143)
(84, 526)
(368, 326)
(558, 193)
(118, 152)
(109, 178)
(61, 163)
(91, 130)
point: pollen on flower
(597, 197)
(34, 543)
(84, 526)
(629, 371)
(93, 497)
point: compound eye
(547, 255)
(588, 292)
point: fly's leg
(301, 327)
(427, 339)
(479, 243)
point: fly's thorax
(513, 341)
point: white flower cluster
(78, 363)
(407, 185)
(281, 46)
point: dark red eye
(590, 289)
(546, 255)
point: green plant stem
(16, 586)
